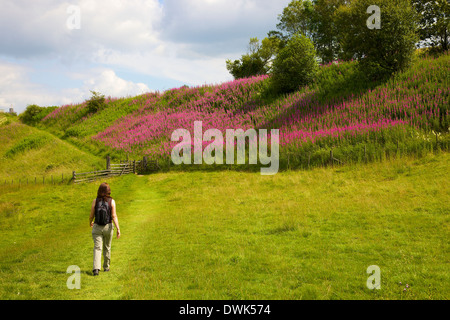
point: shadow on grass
(86, 272)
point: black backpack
(103, 212)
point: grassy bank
(234, 235)
(27, 152)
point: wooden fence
(3, 120)
(116, 170)
(46, 180)
(112, 170)
(147, 165)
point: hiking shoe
(106, 270)
(95, 272)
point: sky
(55, 52)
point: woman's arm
(91, 216)
(114, 217)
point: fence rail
(116, 169)
(44, 180)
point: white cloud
(31, 28)
(194, 71)
(109, 84)
(17, 90)
(187, 41)
(193, 27)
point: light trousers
(102, 236)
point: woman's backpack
(103, 211)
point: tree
(96, 102)
(325, 29)
(257, 60)
(380, 51)
(270, 46)
(29, 116)
(297, 17)
(33, 114)
(295, 65)
(246, 67)
(434, 22)
(316, 20)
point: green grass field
(236, 235)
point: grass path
(236, 235)
(34, 265)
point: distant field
(231, 235)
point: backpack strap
(110, 209)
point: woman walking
(103, 210)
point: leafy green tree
(279, 37)
(325, 29)
(380, 51)
(246, 67)
(295, 65)
(33, 114)
(258, 59)
(96, 102)
(30, 114)
(434, 22)
(297, 17)
(316, 20)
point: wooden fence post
(145, 163)
(331, 157)
(108, 163)
(134, 166)
(74, 176)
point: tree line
(310, 32)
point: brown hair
(104, 191)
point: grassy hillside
(27, 152)
(296, 235)
(408, 113)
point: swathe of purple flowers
(302, 117)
